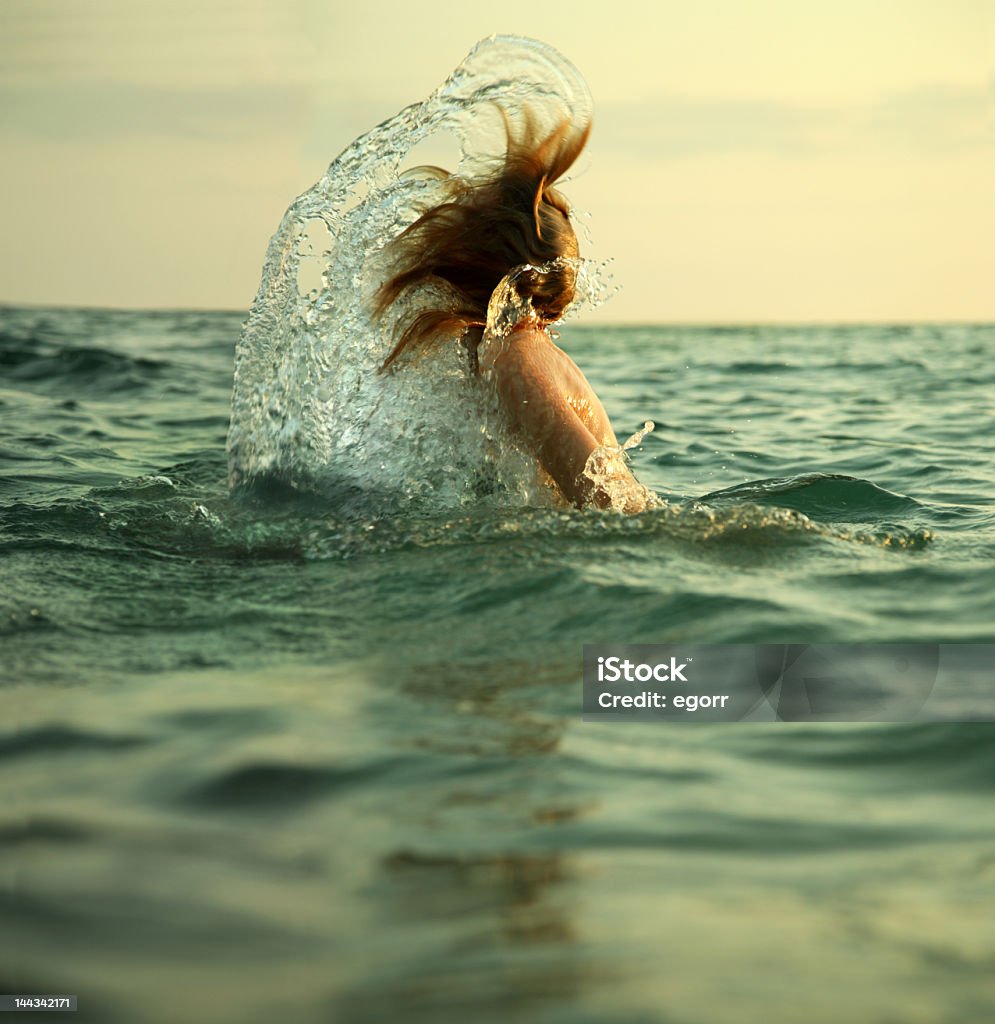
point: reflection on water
(450, 838)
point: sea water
(263, 759)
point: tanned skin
(555, 411)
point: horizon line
(725, 322)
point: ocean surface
(261, 760)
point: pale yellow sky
(758, 160)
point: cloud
(927, 120)
(103, 110)
(939, 119)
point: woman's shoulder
(527, 345)
(530, 351)
(534, 354)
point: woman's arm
(529, 373)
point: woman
(397, 356)
(508, 237)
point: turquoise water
(265, 761)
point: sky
(754, 161)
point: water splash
(508, 306)
(511, 304)
(595, 285)
(637, 438)
(310, 406)
(607, 467)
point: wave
(283, 785)
(75, 367)
(57, 739)
(182, 512)
(832, 496)
(940, 756)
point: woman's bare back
(554, 409)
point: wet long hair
(485, 228)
